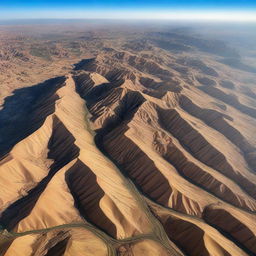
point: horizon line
(174, 15)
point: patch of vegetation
(74, 48)
(41, 53)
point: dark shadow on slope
(127, 156)
(5, 245)
(87, 194)
(136, 165)
(59, 248)
(196, 144)
(231, 228)
(25, 111)
(62, 150)
(84, 64)
(219, 122)
(92, 94)
(187, 236)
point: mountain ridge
(133, 155)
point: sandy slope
(130, 155)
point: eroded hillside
(144, 149)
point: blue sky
(194, 4)
(10, 9)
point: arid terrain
(118, 140)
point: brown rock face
(140, 150)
